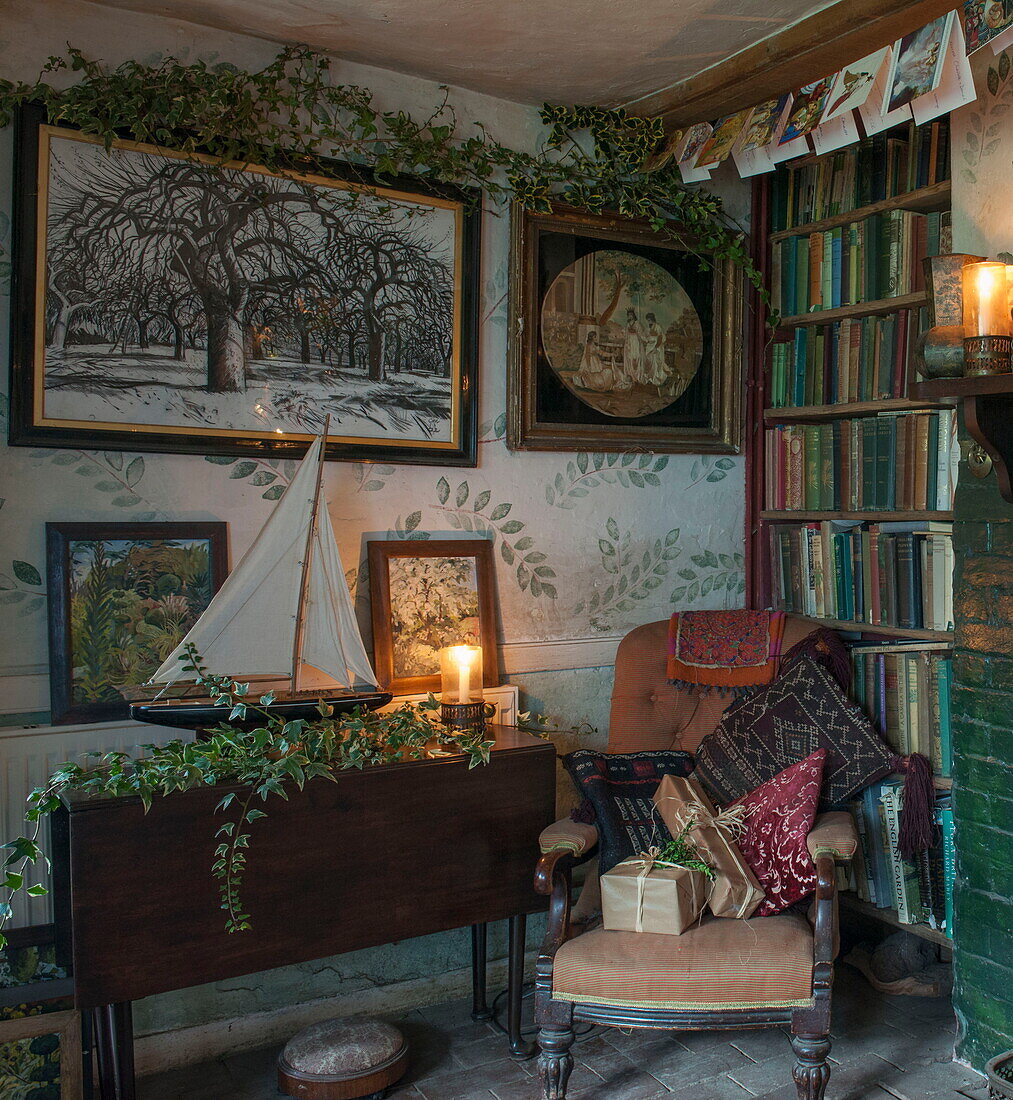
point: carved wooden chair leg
(555, 1061)
(811, 1071)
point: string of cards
(921, 76)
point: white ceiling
(567, 51)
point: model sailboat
(283, 620)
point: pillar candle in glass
(986, 307)
(461, 674)
(987, 341)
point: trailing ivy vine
(290, 116)
(265, 760)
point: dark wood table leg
(479, 1004)
(515, 987)
(114, 1042)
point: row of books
(920, 892)
(865, 261)
(857, 359)
(881, 167)
(905, 688)
(890, 462)
(889, 574)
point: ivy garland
(289, 116)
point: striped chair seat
(718, 964)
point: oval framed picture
(622, 338)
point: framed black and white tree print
(620, 339)
(167, 303)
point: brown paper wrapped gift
(643, 894)
(734, 891)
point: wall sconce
(988, 345)
(462, 705)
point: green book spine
(801, 301)
(949, 865)
(932, 468)
(872, 241)
(945, 731)
(826, 493)
(869, 464)
(853, 258)
(812, 467)
(886, 462)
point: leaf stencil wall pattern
(548, 514)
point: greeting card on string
(727, 132)
(955, 86)
(918, 60)
(807, 107)
(696, 138)
(753, 154)
(849, 91)
(986, 21)
(875, 112)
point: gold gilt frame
(527, 365)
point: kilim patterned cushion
(781, 724)
(619, 786)
(780, 814)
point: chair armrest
(570, 836)
(554, 877)
(833, 834)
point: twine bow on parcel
(730, 822)
(647, 861)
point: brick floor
(885, 1048)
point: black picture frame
(60, 540)
(543, 414)
(28, 427)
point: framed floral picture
(620, 339)
(121, 597)
(167, 303)
(424, 595)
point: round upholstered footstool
(344, 1059)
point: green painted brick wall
(983, 769)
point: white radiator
(30, 754)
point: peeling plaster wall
(697, 507)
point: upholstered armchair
(722, 973)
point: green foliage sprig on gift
(684, 853)
(290, 116)
(266, 760)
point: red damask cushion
(781, 814)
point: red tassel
(916, 828)
(826, 648)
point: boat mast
(304, 580)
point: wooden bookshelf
(850, 409)
(766, 526)
(860, 309)
(883, 631)
(935, 197)
(889, 916)
(867, 517)
(935, 389)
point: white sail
(249, 627)
(331, 639)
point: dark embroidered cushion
(619, 787)
(784, 722)
(779, 819)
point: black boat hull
(198, 714)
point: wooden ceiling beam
(820, 44)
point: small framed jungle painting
(424, 595)
(165, 302)
(121, 597)
(620, 339)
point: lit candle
(463, 656)
(986, 308)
